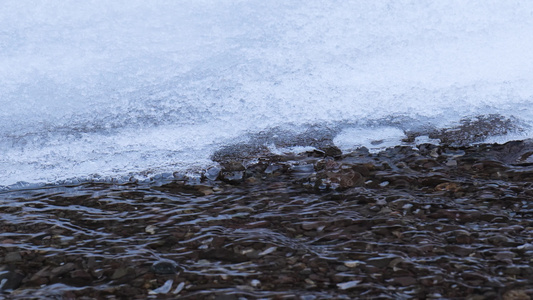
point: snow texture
(119, 89)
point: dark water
(432, 222)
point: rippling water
(109, 91)
(434, 223)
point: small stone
(119, 273)
(164, 289)
(255, 283)
(10, 280)
(206, 190)
(348, 285)
(310, 225)
(151, 229)
(268, 251)
(516, 295)
(447, 186)
(12, 257)
(165, 267)
(526, 246)
(58, 271)
(232, 177)
(405, 280)
(380, 262)
(332, 151)
(451, 163)
(179, 288)
(504, 256)
(81, 274)
(310, 282)
(353, 263)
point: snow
(125, 88)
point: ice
(374, 139)
(121, 89)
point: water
(136, 89)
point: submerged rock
(165, 266)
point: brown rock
(516, 295)
(12, 257)
(405, 280)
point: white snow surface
(131, 88)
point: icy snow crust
(120, 89)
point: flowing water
(110, 91)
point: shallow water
(109, 91)
(431, 222)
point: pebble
(353, 263)
(348, 285)
(164, 267)
(268, 251)
(12, 257)
(119, 273)
(151, 229)
(164, 289)
(179, 288)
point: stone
(119, 273)
(165, 266)
(10, 280)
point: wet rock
(120, 273)
(448, 186)
(310, 225)
(61, 270)
(516, 295)
(348, 285)
(459, 251)
(12, 257)
(165, 266)
(232, 177)
(380, 262)
(506, 256)
(10, 280)
(81, 274)
(332, 151)
(164, 289)
(223, 254)
(405, 280)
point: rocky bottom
(431, 222)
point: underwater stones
(232, 172)
(232, 177)
(345, 178)
(448, 186)
(398, 229)
(10, 280)
(302, 170)
(223, 254)
(120, 273)
(164, 266)
(516, 295)
(232, 166)
(61, 270)
(12, 257)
